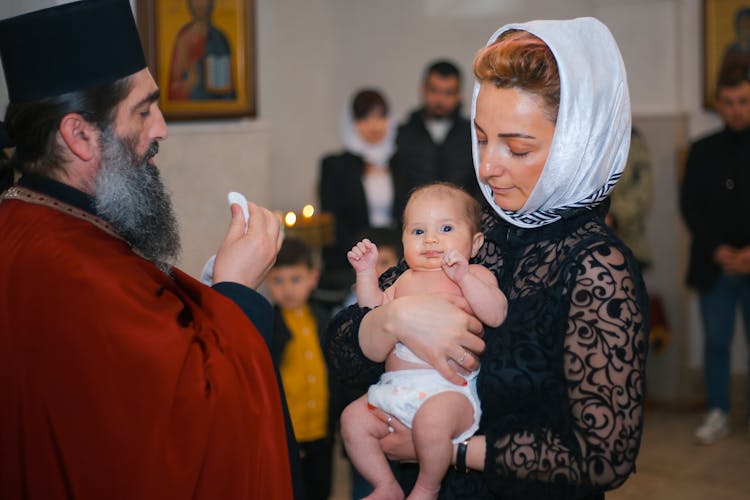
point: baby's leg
(361, 431)
(440, 419)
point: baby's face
(433, 225)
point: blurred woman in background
(361, 185)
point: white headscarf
(592, 135)
(377, 154)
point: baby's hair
(471, 205)
(294, 252)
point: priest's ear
(80, 136)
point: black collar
(499, 230)
(63, 192)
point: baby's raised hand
(455, 265)
(363, 256)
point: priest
(121, 377)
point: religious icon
(201, 53)
(201, 58)
(738, 52)
(726, 41)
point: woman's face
(514, 137)
(373, 126)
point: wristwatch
(461, 457)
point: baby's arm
(363, 256)
(479, 288)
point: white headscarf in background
(376, 154)
(592, 134)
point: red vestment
(117, 381)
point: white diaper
(407, 354)
(402, 392)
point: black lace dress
(562, 379)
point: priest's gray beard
(130, 195)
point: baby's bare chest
(426, 282)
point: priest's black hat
(69, 47)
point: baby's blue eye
(418, 231)
(447, 228)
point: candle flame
(308, 211)
(290, 218)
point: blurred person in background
(361, 185)
(434, 143)
(715, 203)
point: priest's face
(138, 116)
(128, 190)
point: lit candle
(290, 218)
(308, 211)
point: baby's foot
(390, 491)
(422, 493)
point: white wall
(297, 50)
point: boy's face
(433, 225)
(290, 286)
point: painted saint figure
(201, 66)
(738, 52)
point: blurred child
(388, 241)
(441, 232)
(296, 348)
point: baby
(441, 232)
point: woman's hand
(436, 327)
(396, 444)
(247, 258)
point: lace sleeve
(345, 357)
(604, 363)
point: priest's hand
(247, 258)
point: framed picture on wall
(726, 41)
(202, 55)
